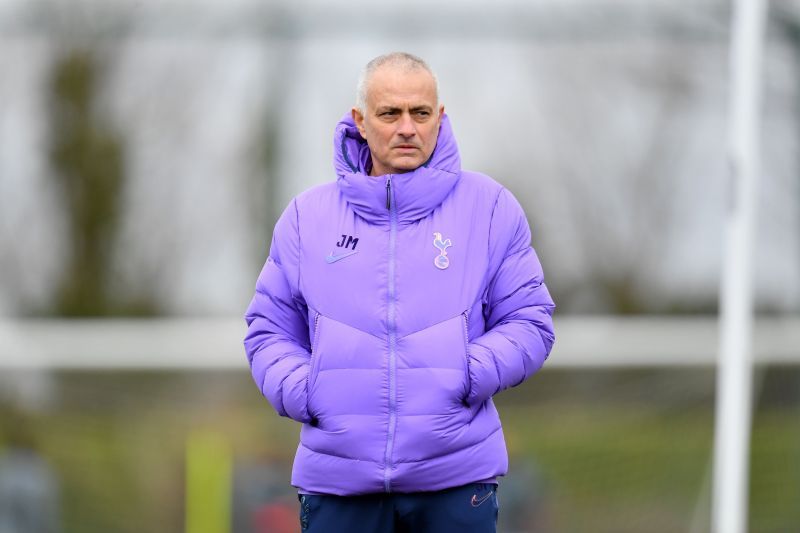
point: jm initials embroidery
(348, 241)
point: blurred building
(607, 119)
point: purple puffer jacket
(388, 313)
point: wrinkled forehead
(392, 84)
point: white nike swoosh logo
(476, 502)
(333, 258)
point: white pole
(734, 374)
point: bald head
(401, 61)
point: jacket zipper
(465, 315)
(387, 469)
(313, 358)
(316, 333)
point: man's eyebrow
(394, 109)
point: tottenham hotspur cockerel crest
(441, 261)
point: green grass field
(621, 451)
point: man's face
(401, 119)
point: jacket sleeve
(517, 308)
(277, 342)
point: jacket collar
(415, 193)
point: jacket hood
(415, 193)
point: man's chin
(406, 164)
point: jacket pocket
(346, 375)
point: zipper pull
(388, 193)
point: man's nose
(406, 126)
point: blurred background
(148, 146)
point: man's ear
(358, 118)
(441, 112)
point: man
(394, 304)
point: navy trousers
(470, 508)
